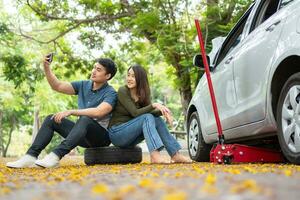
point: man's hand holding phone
(48, 59)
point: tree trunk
(229, 12)
(212, 2)
(213, 16)
(223, 17)
(13, 126)
(185, 88)
(185, 92)
(185, 96)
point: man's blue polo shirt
(89, 98)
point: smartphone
(50, 57)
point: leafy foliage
(158, 34)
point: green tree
(167, 24)
(220, 16)
(24, 98)
(14, 112)
(159, 34)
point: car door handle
(229, 60)
(272, 27)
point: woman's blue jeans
(153, 129)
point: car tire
(112, 155)
(288, 121)
(198, 149)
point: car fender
(278, 60)
(198, 105)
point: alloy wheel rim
(290, 119)
(193, 137)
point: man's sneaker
(25, 161)
(51, 160)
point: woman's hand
(163, 109)
(169, 119)
(165, 112)
(61, 115)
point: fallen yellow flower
(175, 196)
(178, 174)
(198, 170)
(5, 190)
(100, 188)
(127, 189)
(146, 182)
(210, 179)
(210, 189)
(246, 185)
(250, 169)
(288, 172)
(232, 171)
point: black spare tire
(112, 155)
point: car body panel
(251, 69)
(244, 102)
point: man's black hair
(109, 66)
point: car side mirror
(198, 61)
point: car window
(285, 2)
(233, 39)
(265, 10)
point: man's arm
(103, 109)
(100, 111)
(57, 85)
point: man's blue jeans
(146, 126)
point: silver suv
(255, 71)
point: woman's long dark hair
(142, 84)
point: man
(96, 100)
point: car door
(252, 63)
(223, 82)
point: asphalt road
(74, 180)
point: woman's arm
(168, 115)
(156, 112)
(127, 102)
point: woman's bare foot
(178, 158)
(156, 158)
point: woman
(135, 118)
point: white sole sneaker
(49, 161)
(45, 166)
(17, 167)
(26, 161)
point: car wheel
(198, 149)
(288, 119)
(112, 155)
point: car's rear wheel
(288, 119)
(198, 149)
